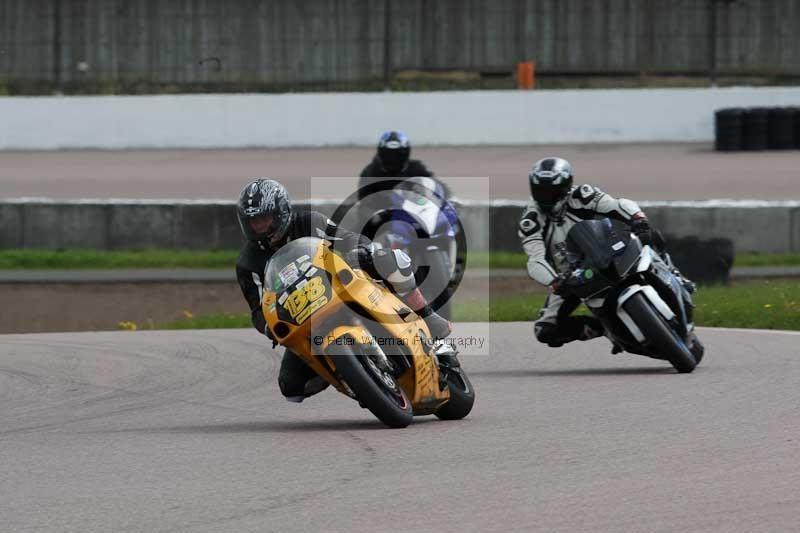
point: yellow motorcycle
(357, 335)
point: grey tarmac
(678, 171)
(186, 430)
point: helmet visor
(393, 159)
(548, 194)
(261, 225)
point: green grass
(754, 304)
(519, 259)
(755, 260)
(751, 304)
(482, 259)
(218, 321)
(93, 259)
(768, 304)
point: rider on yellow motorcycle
(268, 221)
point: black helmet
(264, 201)
(394, 151)
(551, 181)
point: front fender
(341, 335)
(652, 296)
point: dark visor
(547, 194)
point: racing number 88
(301, 297)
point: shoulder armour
(585, 193)
(530, 222)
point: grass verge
(93, 259)
(749, 304)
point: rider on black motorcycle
(555, 208)
(392, 160)
(268, 221)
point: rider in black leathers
(392, 160)
(268, 221)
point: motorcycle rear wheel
(662, 339)
(377, 390)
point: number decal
(297, 304)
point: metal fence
(107, 45)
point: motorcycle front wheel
(462, 396)
(375, 388)
(661, 338)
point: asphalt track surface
(186, 431)
(688, 171)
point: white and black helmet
(263, 197)
(551, 181)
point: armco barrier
(123, 224)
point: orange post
(526, 75)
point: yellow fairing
(307, 323)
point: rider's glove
(558, 286)
(359, 257)
(641, 227)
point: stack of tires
(757, 128)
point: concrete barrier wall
(437, 118)
(766, 227)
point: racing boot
(438, 326)
(313, 386)
(447, 356)
(568, 329)
(584, 328)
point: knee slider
(394, 266)
(291, 389)
(545, 332)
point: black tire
(659, 335)
(392, 407)
(780, 128)
(462, 396)
(796, 126)
(728, 129)
(754, 128)
(697, 349)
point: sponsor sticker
(375, 296)
(289, 274)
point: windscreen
(290, 263)
(593, 243)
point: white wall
(319, 119)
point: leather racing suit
(297, 380)
(543, 235)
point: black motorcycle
(644, 304)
